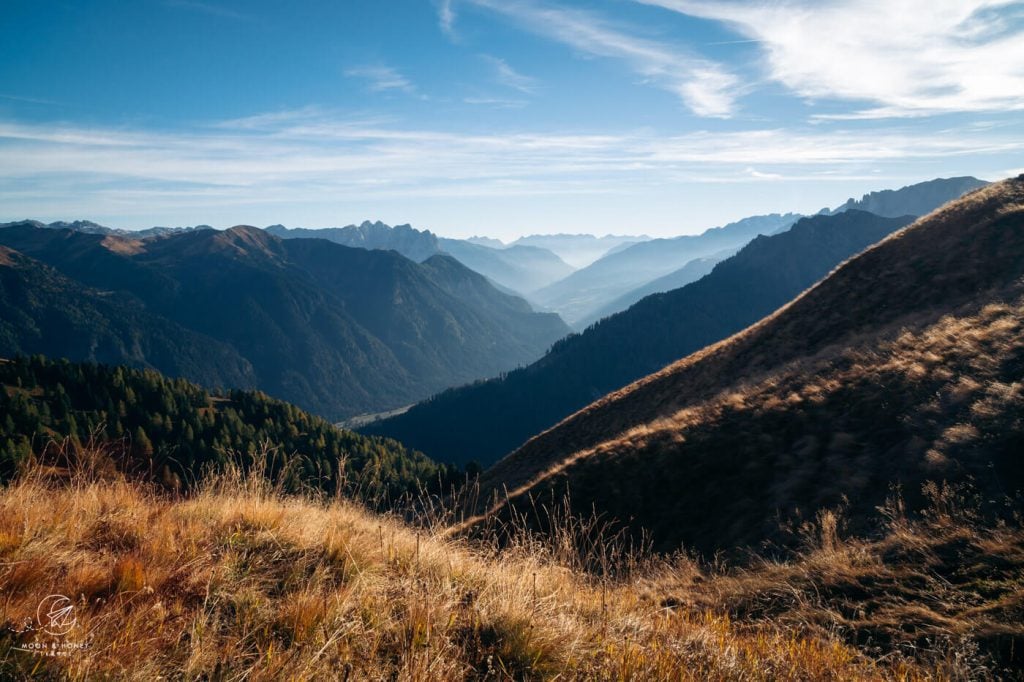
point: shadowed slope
(487, 420)
(334, 329)
(41, 311)
(825, 398)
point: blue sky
(496, 117)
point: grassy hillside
(171, 431)
(239, 581)
(487, 420)
(903, 366)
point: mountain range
(486, 420)
(42, 311)
(691, 272)
(918, 199)
(588, 290)
(630, 271)
(656, 330)
(414, 244)
(519, 269)
(336, 330)
(902, 367)
(89, 227)
(579, 250)
(522, 269)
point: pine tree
(141, 443)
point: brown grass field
(242, 582)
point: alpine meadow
(654, 340)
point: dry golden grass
(945, 589)
(241, 582)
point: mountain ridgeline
(584, 293)
(691, 272)
(918, 199)
(172, 430)
(628, 272)
(484, 421)
(519, 269)
(903, 368)
(578, 250)
(417, 245)
(89, 227)
(336, 330)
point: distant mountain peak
(246, 238)
(486, 241)
(414, 244)
(917, 199)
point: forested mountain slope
(333, 329)
(171, 431)
(486, 420)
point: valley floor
(239, 581)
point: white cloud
(310, 166)
(903, 58)
(314, 155)
(446, 17)
(496, 102)
(705, 87)
(381, 78)
(511, 78)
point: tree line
(175, 431)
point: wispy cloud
(381, 78)
(314, 167)
(28, 100)
(905, 58)
(446, 17)
(312, 155)
(509, 77)
(495, 102)
(705, 87)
